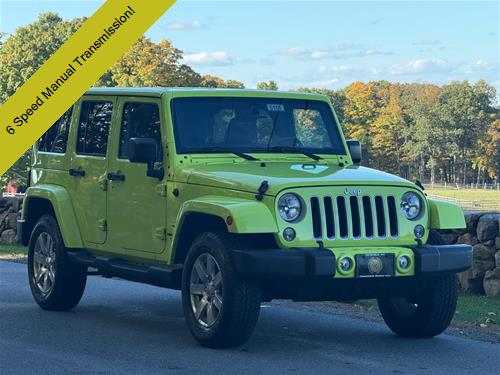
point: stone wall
(483, 232)
(10, 209)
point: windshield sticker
(276, 108)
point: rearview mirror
(355, 151)
(145, 150)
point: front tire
(56, 283)
(221, 309)
(426, 314)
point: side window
(140, 120)
(56, 138)
(93, 128)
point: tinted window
(139, 120)
(255, 125)
(56, 138)
(93, 129)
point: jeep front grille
(342, 217)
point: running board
(164, 276)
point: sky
(325, 44)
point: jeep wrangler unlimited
(234, 197)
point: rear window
(56, 138)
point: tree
(25, 51)
(21, 54)
(465, 110)
(487, 159)
(271, 85)
(211, 81)
(234, 84)
(151, 64)
(217, 82)
(388, 130)
(360, 112)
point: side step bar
(163, 276)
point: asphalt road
(126, 328)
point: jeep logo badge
(348, 191)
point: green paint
(141, 218)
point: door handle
(76, 172)
(116, 177)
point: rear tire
(56, 283)
(221, 309)
(426, 314)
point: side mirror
(142, 150)
(355, 151)
(145, 150)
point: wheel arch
(239, 217)
(52, 200)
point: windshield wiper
(223, 149)
(294, 150)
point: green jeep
(233, 197)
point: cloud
(208, 58)
(339, 52)
(324, 83)
(184, 26)
(482, 63)
(426, 42)
(421, 66)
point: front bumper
(429, 259)
(309, 274)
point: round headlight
(411, 205)
(289, 207)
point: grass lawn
(470, 199)
(13, 250)
(468, 194)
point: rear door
(136, 203)
(89, 166)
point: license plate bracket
(375, 265)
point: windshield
(227, 124)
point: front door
(136, 203)
(89, 167)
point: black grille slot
(379, 206)
(330, 225)
(343, 231)
(356, 222)
(316, 217)
(367, 210)
(393, 218)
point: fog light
(419, 231)
(289, 234)
(404, 262)
(345, 264)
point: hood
(247, 176)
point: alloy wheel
(44, 263)
(206, 290)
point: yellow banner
(71, 71)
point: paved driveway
(127, 328)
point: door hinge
(102, 224)
(161, 233)
(161, 189)
(103, 182)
